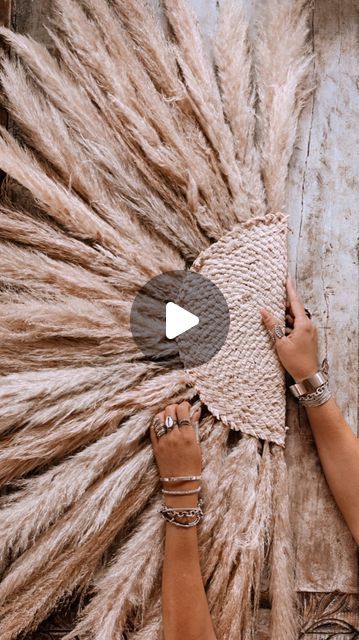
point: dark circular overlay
(192, 292)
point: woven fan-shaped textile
(249, 266)
(135, 153)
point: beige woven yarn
(243, 384)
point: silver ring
(184, 421)
(160, 430)
(307, 313)
(159, 427)
(170, 423)
(277, 332)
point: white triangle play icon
(178, 320)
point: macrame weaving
(135, 158)
(249, 266)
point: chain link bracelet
(170, 514)
(318, 397)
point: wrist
(306, 373)
(181, 501)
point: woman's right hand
(297, 351)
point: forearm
(338, 449)
(184, 601)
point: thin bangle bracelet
(179, 478)
(181, 493)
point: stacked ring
(161, 428)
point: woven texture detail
(243, 384)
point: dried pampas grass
(147, 153)
(282, 61)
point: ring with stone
(170, 423)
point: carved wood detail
(324, 616)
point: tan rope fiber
(243, 384)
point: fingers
(178, 412)
(294, 311)
(289, 324)
(158, 419)
(269, 321)
(195, 419)
(289, 320)
(294, 300)
(171, 411)
(184, 420)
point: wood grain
(32, 17)
(323, 203)
(323, 616)
(5, 12)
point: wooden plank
(5, 12)
(323, 616)
(32, 17)
(323, 202)
(28, 17)
(329, 616)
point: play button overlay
(179, 319)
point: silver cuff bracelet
(314, 388)
(318, 397)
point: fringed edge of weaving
(275, 438)
(278, 439)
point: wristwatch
(312, 383)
